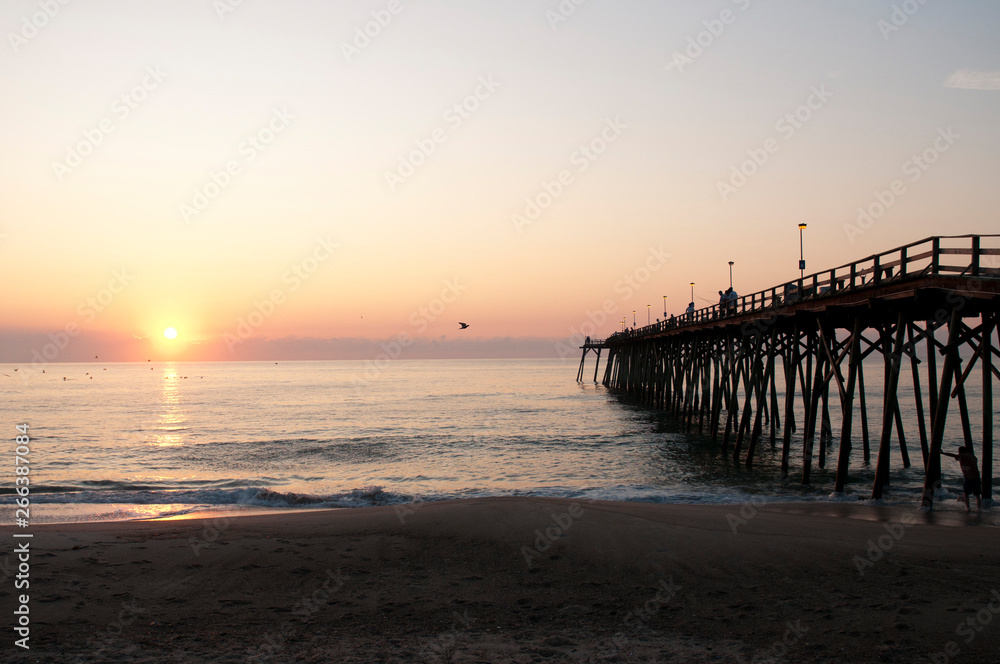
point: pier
(928, 309)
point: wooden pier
(929, 309)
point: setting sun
(170, 333)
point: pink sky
(251, 182)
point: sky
(315, 180)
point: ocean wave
(251, 496)
(254, 497)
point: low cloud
(971, 79)
(17, 347)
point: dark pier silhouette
(928, 309)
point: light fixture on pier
(692, 292)
(664, 307)
(802, 258)
(633, 318)
(730, 275)
(647, 313)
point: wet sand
(517, 580)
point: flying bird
(463, 325)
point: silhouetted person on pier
(731, 296)
(690, 311)
(722, 304)
(970, 469)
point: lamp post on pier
(664, 307)
(633, 318)
(802, 258)
(730, 275)
(647, 314)
(692, 292)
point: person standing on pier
(970, 469)
(690, 311)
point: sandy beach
(517, 580)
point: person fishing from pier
(731, 297)
(970, 469)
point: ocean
(123, 441)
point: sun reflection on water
(170, 424)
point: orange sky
(248, 179)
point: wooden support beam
(752, 383)
(719, 392)
(918, 395)
(791, 366)
(932, 478)
(986, 358)
(963, 409)
(932, 391)
(761, 397)
(733, 397)
(888, 410)
(833, 367)
(863, 405)
(847, 408)
(812, 412)
(775, 420)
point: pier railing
(956, 256)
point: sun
(170, 333)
